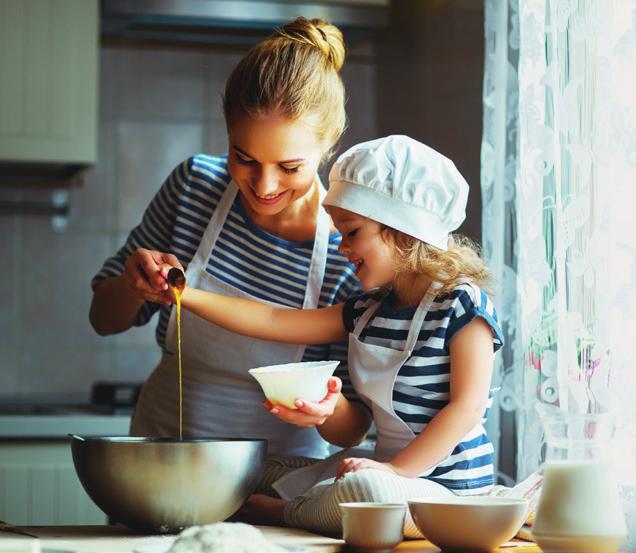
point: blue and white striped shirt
(245, 256)
(422, 386)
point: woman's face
(363, 244)
(273, 161)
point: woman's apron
(220, 397)
(373, 370)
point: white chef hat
(401, 183)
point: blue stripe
(466, 484)
(252, 228)
(257, 289)
(471, 444)
(302, 257)
(273, 255)
(467, 464)
(429, 370)
(258, 271)
(186, 202)
(209, 194)
(436, 404)
(436, 387)
(191, 241)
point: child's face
(362, 243)
(273, 161)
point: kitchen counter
(118, 539)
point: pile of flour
(223, 537)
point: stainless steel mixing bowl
(166, 484)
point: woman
(246, 224)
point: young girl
(421, 341)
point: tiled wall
(157, 106)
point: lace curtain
(559, 224)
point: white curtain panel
(499, 167)
(559, 223)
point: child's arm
(471, 358)
(339, 421)
(260, 320)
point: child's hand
(309, 413)
(354, 464)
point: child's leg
(277, 466)
(318, 509)
(261, 509)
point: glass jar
(579, 507)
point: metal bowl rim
(161, 440)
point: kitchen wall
(429, 84)
(158, 105)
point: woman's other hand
(309, 413)
(354, 464)
(145, 274)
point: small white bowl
(373, 527)
(468, 523)
(284, 384)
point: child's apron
(373, 370)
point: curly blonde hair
(417, 263)
(295, 72)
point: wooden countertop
(118, 539)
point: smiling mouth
(359, 263)
(268, 199)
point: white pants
(318, 511)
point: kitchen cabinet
(48, 81)
(38, 485)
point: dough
(223, 537)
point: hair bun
(324, 36)
(294, 72)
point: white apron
(373, 370)
(220, 398)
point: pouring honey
(176, 281)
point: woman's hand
(145, 273)
(354, 464)
(309, 413)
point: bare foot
(261, 509)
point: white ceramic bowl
(284, 384)
(469, 523)
(369, 526)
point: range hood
(231, 22)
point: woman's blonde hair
(417, 263)
(295, 72)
